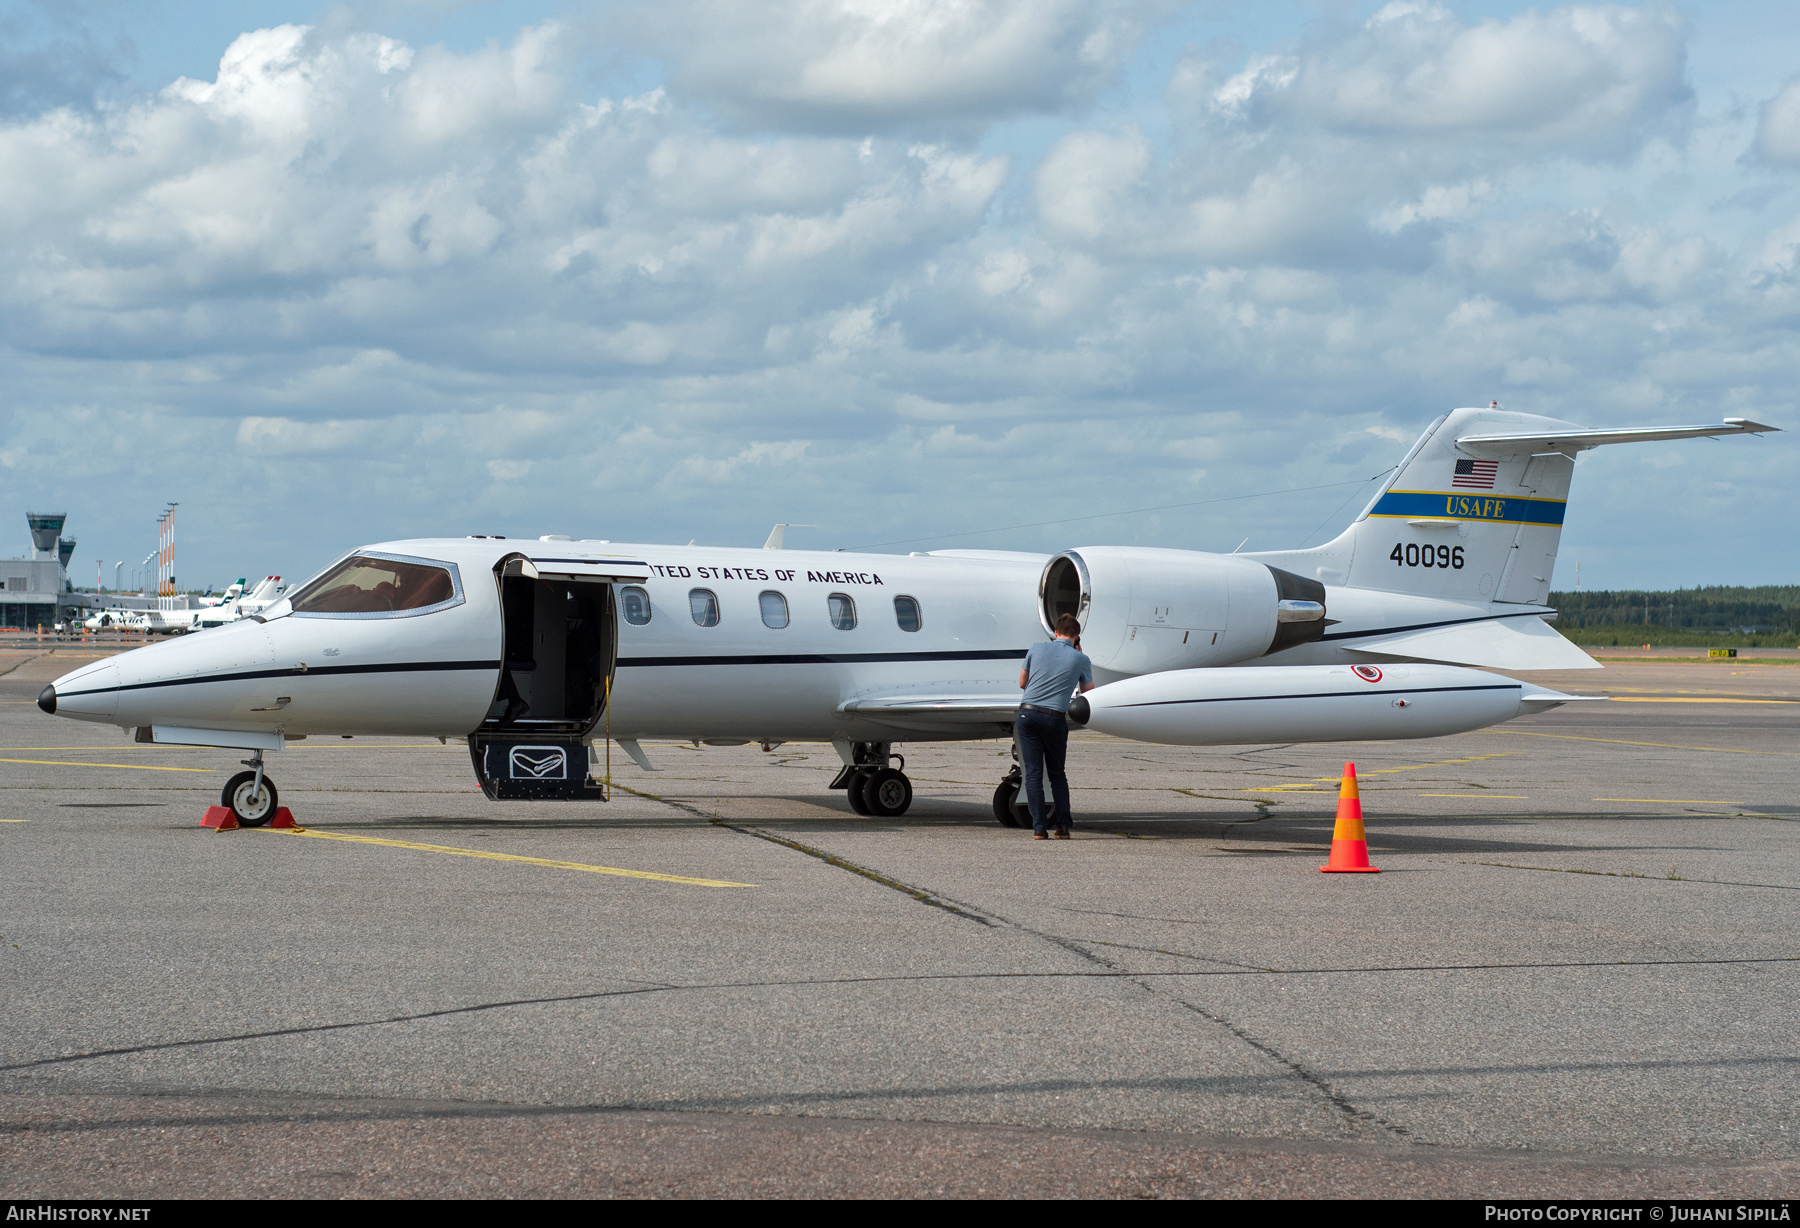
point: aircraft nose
(47, 699)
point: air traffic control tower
(35, 586)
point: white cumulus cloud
(870, 64)
(804, 267)
(1778, 127)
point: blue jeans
(1043, 745)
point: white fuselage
(739, 679)
(754, 682)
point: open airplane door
(560, 649)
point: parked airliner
(233, 605)
(535, 650)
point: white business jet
(533, 651)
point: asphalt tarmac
(1576, 974)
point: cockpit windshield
(370, 586)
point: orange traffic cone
(1349, 849)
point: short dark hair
(1069, 625)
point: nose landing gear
(250, 796)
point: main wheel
(251, 807)
(887, 794)
(1004, 793)
(858, 802)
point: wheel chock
(284, 820)
(220, 818)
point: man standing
(1051, 674)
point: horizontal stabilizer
(1517, 642)
(1574, 441)
(1541, 700)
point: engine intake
(1145, 610)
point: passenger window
(843, 611)
(774, 609)
(906, 613)
(368, 585)
(634, 604)
(705, 607)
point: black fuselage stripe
(1233, 699)
(1452, 622)
(835, 658)
(311, 671)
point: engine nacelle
(1144, 610)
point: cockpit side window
(381, 586)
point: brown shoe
(1040, 835)
(1062, 833)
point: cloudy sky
(899, 269)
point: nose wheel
(250, 796)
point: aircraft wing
(954, 713)
(1525, 642)
(1574, 441)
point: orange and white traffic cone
(1349, 848)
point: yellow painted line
(1647, 699)
(129, 767)
(139, 746)
(15, 820)
(1307, 785)
(177, 746)
(1570, 737)
(1669, 801)
(530, 861)
(1510, 797)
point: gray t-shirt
(1051, 672)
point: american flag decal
(1478, 474)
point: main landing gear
(1010, 806)
(250, 796)
(874, 789)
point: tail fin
(266, 590)
(1474, 511)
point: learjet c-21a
(534, 650)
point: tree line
(1759, 616)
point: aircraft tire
(250, 808)
(1004, 793)
(887, 794)
(854, 793)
